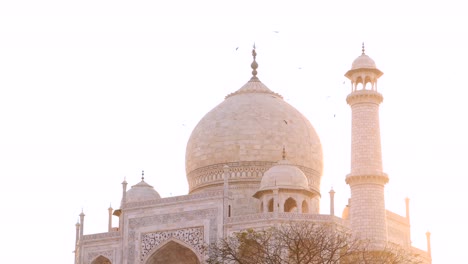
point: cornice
(380, 179)
(100, 236)
(364, 96)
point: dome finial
(254, 64)
(142, 175)
(284, 153)
(363, 49)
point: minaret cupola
(363, 71)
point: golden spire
(363, 49)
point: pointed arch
(173, 251)
(290, 205)
(359, 86)
(101, 260)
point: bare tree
(390, 254)
(302, 243)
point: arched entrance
(290, 205)
(101, 260)
(174, 253)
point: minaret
(407, 200)
(110, 209)
(407, 209)
(332, 202)
(77, 237)
(124, 194)
(366, 179)
(79, 248)
(77, 225)
(429, 251)
(82, 215)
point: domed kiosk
(285, 188)
(363, 71)
(141, 191)
(247, 132)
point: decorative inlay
(246, 170)
(176, 199)
(192, 236)
(109, 254)
(101, 235)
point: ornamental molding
(380, 179)
(253, 91)
(271, 216)
(237, 170)
(109, 254)
(175, 199)
(105, 235)
(192, 237)
(245, 171)
(134, 223)
(254, 85)
(364, 96)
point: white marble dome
(141, 191)
(283, 175)
(363, 62)
(247, 132)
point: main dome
(247, 132)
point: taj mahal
(251, 162)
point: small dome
(141, 192)
(363, 62)
(284, 175)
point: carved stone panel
(191, 236)
(109, 254)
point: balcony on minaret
(363, 73)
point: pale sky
(95, 91)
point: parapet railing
(111, 234)
(285, 216)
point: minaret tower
(366, 179)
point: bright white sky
(95, 91)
